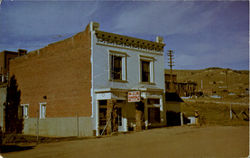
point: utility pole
(170, 62)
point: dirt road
(175, 142)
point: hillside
(216, 80)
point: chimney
(159, 39)
(95, 26)
(22, 52)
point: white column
(97, 117)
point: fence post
(181, 115)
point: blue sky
(201, 33)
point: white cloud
(165, 18)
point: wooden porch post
(112, 124)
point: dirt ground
(174, 142)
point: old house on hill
(184, 89)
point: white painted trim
(144, 57)
(109, 65)
(152, 72)
(151, 68)
(95, 109)
(92, 66)
(120, 53)
(133, 49)
(161, 103)
(139, 61)
(24, 104)
(121, 90)
(124, 64)
(40, 110)
(27, 115)
(96, 117)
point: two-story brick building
(69, 84)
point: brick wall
(1, 62)
(61, 72)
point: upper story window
(146, 69)
(117, 67)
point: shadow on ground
(12, 148)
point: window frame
(147, 71)
(25, 110)
(42, 116)
(114, 73)
(151, 61)
(123, 66)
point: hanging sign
(134, 96)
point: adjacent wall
(3, 93)
(60, 76)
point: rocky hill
(216, 80)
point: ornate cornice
(121, 40)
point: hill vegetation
(232, 87)
(216, 80)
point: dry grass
(216, 113)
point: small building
(70, 85)
(173, 109)
(187, 88)
(5, 57)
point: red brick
(62, 72)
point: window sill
(123, 81)
(150, 83)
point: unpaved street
(175, 142)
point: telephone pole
(170, 62)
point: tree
(13, 116)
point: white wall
(100, 71)
(101, 68)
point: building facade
(66, 87)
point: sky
(202, 34)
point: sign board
(134, 96)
